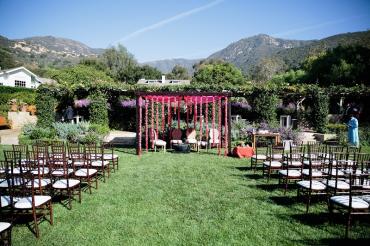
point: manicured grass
(166, 199)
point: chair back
(191, 133)
(176, 134)
(214, 133)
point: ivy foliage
(264, 106)
(45, 103)
(320, 111)
(98, 109)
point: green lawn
(166, 199)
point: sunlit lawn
(166, 199)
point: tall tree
(120, 63)
(218, 73)
(178, 72)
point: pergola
(169, 105)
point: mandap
(157, 113)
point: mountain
(294, 57)
(48, 50)
(165, 66)
(248, 52)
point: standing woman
(353, 138)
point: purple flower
(82, 103)
(128, 103)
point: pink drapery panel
(146, 125)
(219, 127)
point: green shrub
(91, 137)
(68, 131)
(364, 135)
(98, 109)
(264, 106)
(320, 111)
(45, 103)
(43, 133)
(99, 129)
(336, 128)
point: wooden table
(265, 135)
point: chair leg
(308, 202)
(36, 224)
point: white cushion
(202, 143)
(43, 170)
(313, 163)
(38, 184)
(5, 201)
(60, 172)
(160, 142)
(114, 156)
(99, 163)
(176, 141)
(62, 184)
(277, 156)
(2, 170)
(309, 155)
(4, 183)
(17, 170)
(334, 172)
(26, 202)
(83, 172)
(316, 185)
(341, 185)
(79, 163)
(315, 173)
(4, 226)
(259, 157)
(293, 163)
(357, 202)
(366, 198)
(191, 141)
(290, 173)
(272, 164)
(216, 141)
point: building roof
(10, 70)
(163, 82)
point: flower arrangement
(82, 103)
(128, 103)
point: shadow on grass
(130, 151)
(268, 186)
(284, 200)
(334, 241)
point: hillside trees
(218, 72)
(178, 72)
(343, 65)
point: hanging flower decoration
(82, 103)
(128, 103)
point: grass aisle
(192, 198)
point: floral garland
(206, 118)
(219, 126)
(226, 127)
(146, 124)
(201, 120)
(163, 118)
(152, 130)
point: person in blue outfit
(353, 138)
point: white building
(19, 77)
(163, 81)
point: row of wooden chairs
(31, 177)
(341, 174)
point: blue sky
(153, 30)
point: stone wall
(19, 119)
